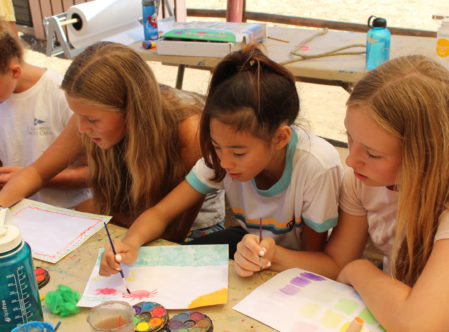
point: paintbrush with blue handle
(115, 254)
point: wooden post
(235, 11)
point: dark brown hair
(249, 92)
(10, 47)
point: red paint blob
(106, 291)
(158, 312)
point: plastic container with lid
(19, 294)
(377, 42)
(442, 43)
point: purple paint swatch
(289, 290)
(312, 276)
(299, 281)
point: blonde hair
(409, 98)
(10, 46)
(140, 170)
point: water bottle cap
(10, 238)
(377, 22)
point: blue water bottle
(149, 18)
(19, 294)
(377, 42)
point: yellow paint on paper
(346, 325)
(217, 297)
(131, 276)
(310, 310)
(331, 319)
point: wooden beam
(308, 22)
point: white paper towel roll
(112, 20)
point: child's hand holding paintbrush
(118, 252)
(254, 253)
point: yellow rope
(335, 52)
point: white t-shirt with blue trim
(307, 192)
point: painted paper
(53, 232)
(178, 277)
(297, 300)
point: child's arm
(346, 243)
(65, 149)
(399, 307)
(70, 178)
(149, 226)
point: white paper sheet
(178, 277)
(53, 232)
(296, 300)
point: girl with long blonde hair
(396, 193)
(141, 138)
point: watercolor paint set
(150, 316)
(190, 321)
(153, 317)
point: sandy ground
(322, 106)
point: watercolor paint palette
(297, 300)
(150, 317)
(177, 277)
(193, 321)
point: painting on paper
(53, 232)
(297, 300)
(178, 277)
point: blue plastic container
(19, 293)
(149, 17)
(377, 42)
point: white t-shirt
(29, 122)
(307, 192)
(379, 205)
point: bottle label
(150, 22)
(442, 48)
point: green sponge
(62, 302)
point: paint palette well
(42, 277)
(190, 321)
(150, 317)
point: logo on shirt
(38, 129)
(38, 122)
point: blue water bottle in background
(19, 294)
(149, 18)
(377, 42)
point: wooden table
(342, 70)
(74, 271)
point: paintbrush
(115, 254)
(260, 240)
